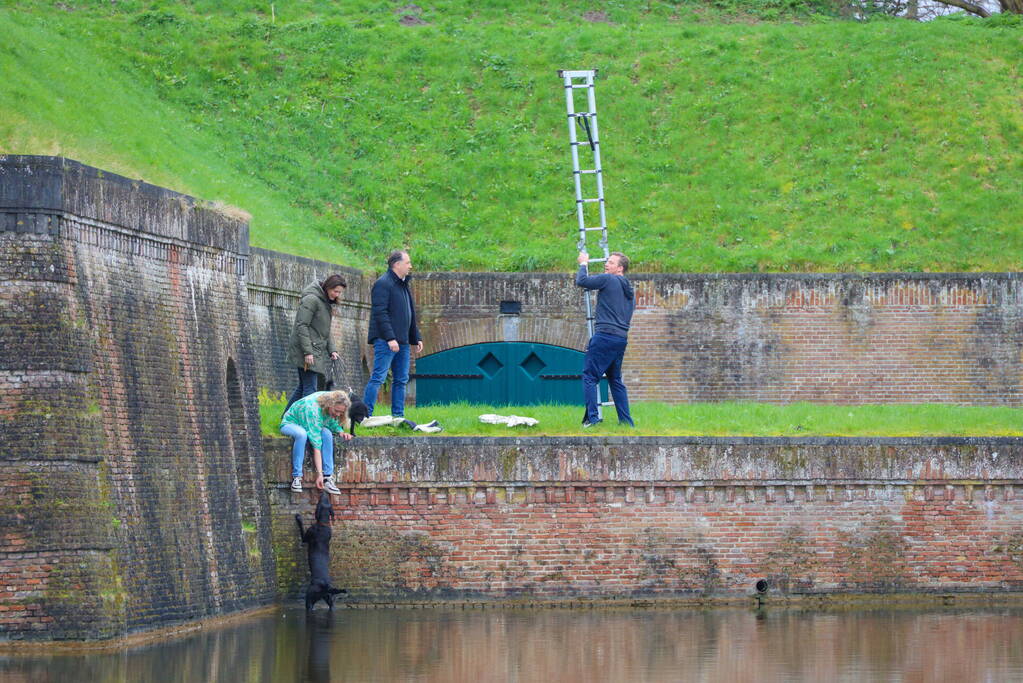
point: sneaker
(587, 425)
(330, 487)
(296, 484)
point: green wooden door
(502, 373)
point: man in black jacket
(392, 332)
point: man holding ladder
(606, 348)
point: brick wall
(894, 338)
(436, 519)
(274, 283)
(131, 480)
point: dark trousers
(309, 382)
(604, 357)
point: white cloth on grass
(510, 420)
(381, 421)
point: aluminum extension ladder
(587, 121)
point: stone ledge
(668, 461)
(406, 441)
(41, 185)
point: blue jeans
(298, 449)
(383, 360)
(604, 357)
(308, 382)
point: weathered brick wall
(896, 338)
(131, 480)
(275, 281)
(489, 518)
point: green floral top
(310, 416)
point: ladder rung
(607, 403)
(597, 260)
(583, 115)
(585, 143)
(588, 171)
(576, 86)
(599, 227)
(587, 201)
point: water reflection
(567, 645)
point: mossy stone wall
(131, 471)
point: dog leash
(336, 372)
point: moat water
(732, 645)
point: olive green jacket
(311, 332)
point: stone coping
(673, 461)
(34, 184)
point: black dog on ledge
(317, 536)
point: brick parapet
(41, 187)
(442, 518)
(441, 461)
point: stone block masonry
(439, 519)
(131, 474)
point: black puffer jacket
(393, 315)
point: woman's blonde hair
(330, 399)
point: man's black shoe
(587, 425)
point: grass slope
(815, 146)
(705, 419)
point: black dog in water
(317, 536)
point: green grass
(809, 145)
(706, 419)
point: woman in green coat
(311, 347)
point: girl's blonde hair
(330, 399)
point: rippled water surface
(567, 645)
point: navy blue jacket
(615, 301)
(393, 315)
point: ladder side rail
(570, 106)
(595, 137)
(595, 133)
